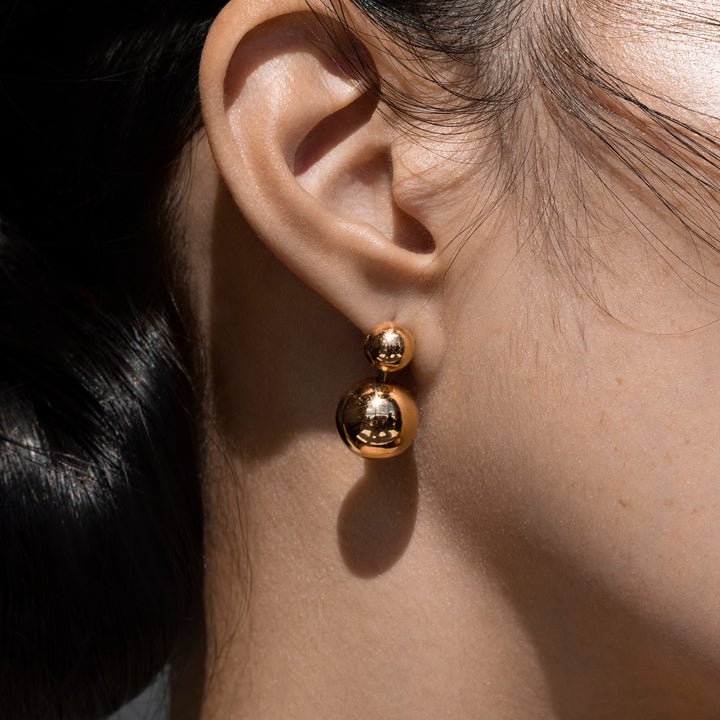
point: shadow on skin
(377, 517)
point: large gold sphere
(377, 420)
(389, 346)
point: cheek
(593, 442)
(670, 54)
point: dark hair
(100, 429)
(101, 525)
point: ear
(308, 158)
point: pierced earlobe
(375, 419)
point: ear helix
(374, 418)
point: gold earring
(374, 418)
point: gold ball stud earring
(374, 418)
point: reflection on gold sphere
(389, 346)
(377, 420)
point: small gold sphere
(377, 420)
(389, 347)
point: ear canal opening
(410, 234)
(332, 130)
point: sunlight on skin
(671, 50)
(563, 485)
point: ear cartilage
(374, 418)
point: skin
(549, 546)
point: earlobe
(308, 159)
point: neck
(332, 590)
(352, 604)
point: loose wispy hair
(520, 64)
